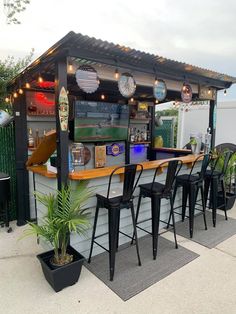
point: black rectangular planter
(230, 199)
(63, 276)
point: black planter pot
(230, 199)
(63, 276)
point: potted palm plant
(65, 214)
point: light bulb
(70, 67)
(131, 99)
(27, 85)
(225, 92)
(209, 91)
(102, 96)
(156, 81)
(7, 99)
(20, 90)
(15, 95)
(40, 79)
(116, 74)
(156, 101)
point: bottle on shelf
(31, 141)
(132, 135)
(37, 137)
(144, 133)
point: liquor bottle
(144, 133)
(132, 135)
(30, 139)
(207, 143)
(36, 137)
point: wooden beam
(21, 144)
(62, 136)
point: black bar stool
(191, 184)
(114, 200)
(212, 179)
(156, 191)
(5, 197)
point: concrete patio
(206, 285)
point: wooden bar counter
(106, 171)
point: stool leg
(192, 197)
(203, 207)
(173, 220)
(135, 233)
(184, 201)
(113, 221)
(137, 213)
(174, 194)
(214, 191)
(207, 182)
(156, 202)
(224, 197)
(94, 231)
(118, 229)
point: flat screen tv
(100, 121)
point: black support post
(212, 121)
(21, 143)
(62, 136)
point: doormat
(212, 236)
(130, 279)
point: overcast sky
(200, 32)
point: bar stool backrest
(226, 155)
(205, 163)
(173, 169)
(130, 183)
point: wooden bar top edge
(106, 171)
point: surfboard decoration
(63, 109)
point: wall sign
(115, 149)
(126, 85)
(87, 79)
(186, 93)
(160, 90)
(63, 109)
(208, 93)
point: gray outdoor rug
(130, 279)
(212, 236)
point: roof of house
(103, 52)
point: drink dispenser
(77, 154)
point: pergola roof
(102, 52)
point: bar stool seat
(191, 184)
(114, 200)
(157, 191)
(212, 179)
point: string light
(116, 74)
(70, 66)
(209, 91)
(15, 95)
(156, 81)
(20, 90)
(156, 101)
(132, 99)
(7, 99)
(27, 85)
(225, 92)
(102, 96)
(40, 79)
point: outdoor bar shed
(100, 97)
